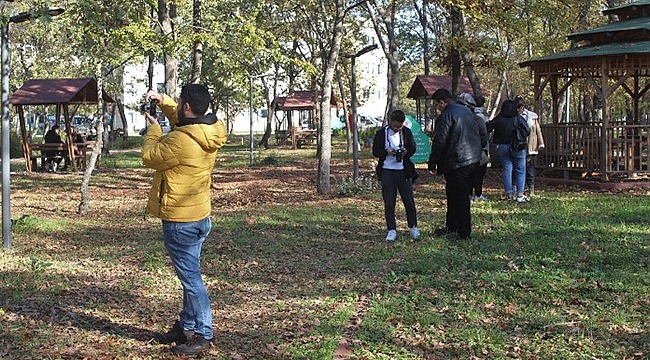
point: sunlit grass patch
(29, 224)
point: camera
(399, 154)
(149, 107)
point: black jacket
(458, 139)
(504, 124)
(379, 151)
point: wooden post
(605, 163)
(23, 136)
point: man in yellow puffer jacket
(180, 196)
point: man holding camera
(394, 145)
(458, 141)
(180, 196)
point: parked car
(80, 123)
(367, 122)
(164, 124)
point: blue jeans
(183, 241)
(513, 160)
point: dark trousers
(476, 187)
(530, 170)
(457, 184)
(393, 181)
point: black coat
(379, 151)
(504, 124)
(458, 139)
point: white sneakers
(392, 234)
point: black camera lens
(399, 155)
(149, 107)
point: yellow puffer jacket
(183, 160)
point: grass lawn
(296, 275)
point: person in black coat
(394, 145)
(456, 151)
(53, 158)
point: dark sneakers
(195, 344)
(440, 232)
(174, 335)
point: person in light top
(535, 142)
(394, 145)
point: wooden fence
(575, 149)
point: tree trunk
(348, 132)
(198, 45)
(426, 57)
(454, 53)
(171, 62)
(380, 16)
(424, 22)
(269, 113)
(120, 109)
(325, 126)
(84, 204)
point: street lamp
(6, 193)
(250, 106)
(353, 93)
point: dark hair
(397, 115)
(480, 101)
(442, 94)
(55, 127)
(520, 101)
(197, 96)
(508, 109)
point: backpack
(520, 135)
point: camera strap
(401, 137)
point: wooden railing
(575, 147)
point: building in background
(135, 86)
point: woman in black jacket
(504, 131)
(394, 145)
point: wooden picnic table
(38, 152)
(301, 137)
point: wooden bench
(281, 137)
(302, 137)
(38, 152)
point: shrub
(129, 142)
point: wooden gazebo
(610, 57)
(61, 93)
(298, 100)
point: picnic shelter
(612, 59)
(67, 94)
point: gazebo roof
(629, 37)
(299, 100)
(613, 49)
(58, 91)
(636, 8)
(637, 28)
(425, 85)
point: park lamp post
(250, 107)
(353, 94)
(6, 158)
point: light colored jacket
(535, 139)
(183, 160)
